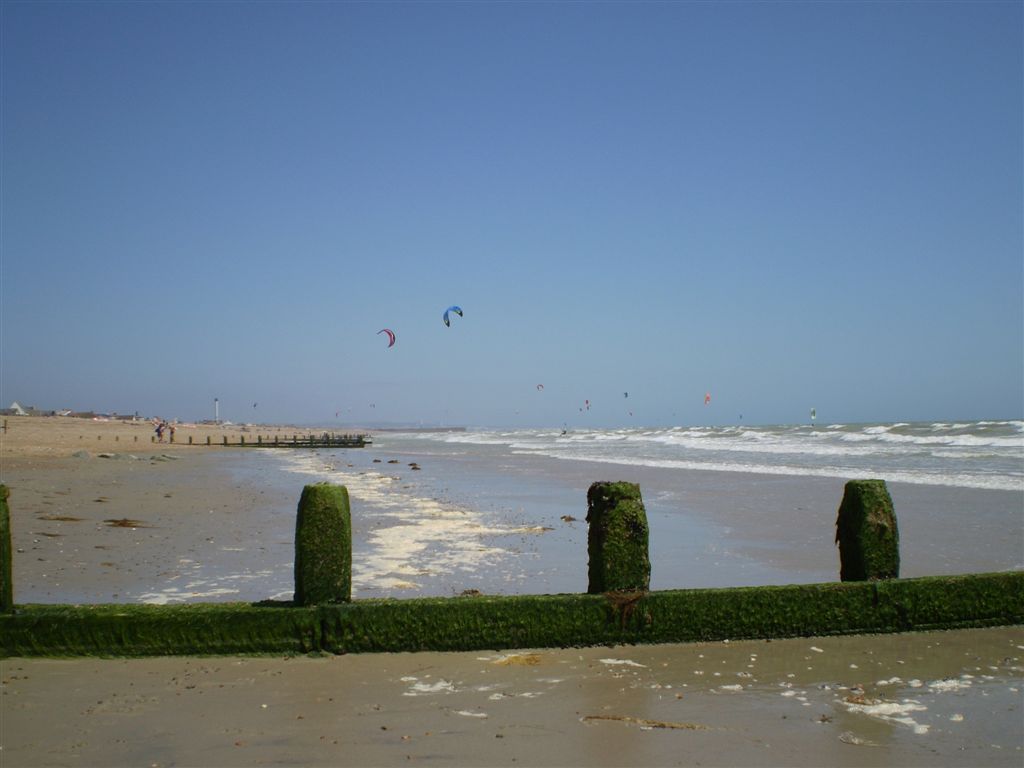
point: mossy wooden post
(6, 558)
(617, 539)
(866, 532)
(323, 546)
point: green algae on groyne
(617, 539)
(866, 532)
(521, 621)
(323, 545)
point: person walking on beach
(171, 428)
(159, 432)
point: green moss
(617, 539)
(6, 556)
(323, 545)
(866, 532)
(952, 601)
(523, 621)
(144, 630)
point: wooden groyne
(618, 607)
(323, 440)
(475, 623)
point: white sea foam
(893, 712)
(942, 686)
(427, 689)
(412, 537)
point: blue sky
(787, 205)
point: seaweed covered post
(6, 559)
(617, 539)
(866, 532)
(323, 546)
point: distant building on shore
(17, 409)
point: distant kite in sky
(625, 394)
(707, 398)
(453, 308)
(540, 387)
(391, 336)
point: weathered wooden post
(617, 539)
(190, 439)
(207, 439)
(6, 556)
(866, 532)
(225, 439)
(323, 546)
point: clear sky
(785, 205)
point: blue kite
(456, 310)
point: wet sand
(929, 699)
(160, 527)
(187, 522)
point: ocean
(503, 511)
(985, 454)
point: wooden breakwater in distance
(333, 623)
(323, 440)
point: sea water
(503, 511)
(985, 454)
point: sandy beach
(946, 698)
(102, 514)
(176, 520)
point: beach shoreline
(942, 698)
(216, 523)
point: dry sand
(947, 698)
(46, 437)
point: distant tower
(216, 410)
